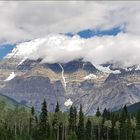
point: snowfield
(10, 77)
(68, 102)
(90, 76)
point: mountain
(29, 81)
(10, 103)
(134, 107)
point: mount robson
(30, 80)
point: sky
(110, 29)
(22, 21)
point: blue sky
(87, 33)
(5, 49)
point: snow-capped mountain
(28, 75)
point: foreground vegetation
(20, 124)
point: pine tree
(32, 111)
(88, 131)
(138, 118)
(124, 120)
(80, 132)
(75, 118)
(71, 119)
(106, 114)
(44, 128)
(32, 121)
(55, 123)
(98, 112)
(125, 113)
(57, 107)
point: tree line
(22, 124)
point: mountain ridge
(79, 81)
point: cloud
(22, 21)
(121, 49)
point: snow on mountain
(47, 48)
(22, 61)
(62, 73)
(68, 102)
(138, 68)
(106, 69)
(36, 81)
(26, 48)
(10, 77)
(90, 76)
(59, 76)
(58, 48)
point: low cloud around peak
(123, 48)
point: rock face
(32, 90)
(36, 81)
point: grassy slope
(11, 103)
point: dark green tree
(55, 122)
(98, 112)
(32, 121)
(106, 114)
(71, 119)
(32, 111)
(44, 128)
(72, 136)
(124, 119)
(75, 118)
(124, 114)
(88, 130)
(57, 107)
(81, 129)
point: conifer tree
(138, 118)
(57, 107)
(71, 119)
(32, 121)
(80, 131)
(98, 112)
(55, 123)
(106, 114)
(124, 114)
(75, 118)
(124, 121)
(88, 130)
(44, 128)
(32, 111)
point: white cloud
(28, 20)
(123, 49)
(34, 19)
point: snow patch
(64, 81)
(22, 61)
(107, 69)
(26, 48)
(11, 76)
(68, 102)
(138, 68)
(90, 76)
(129, 84)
